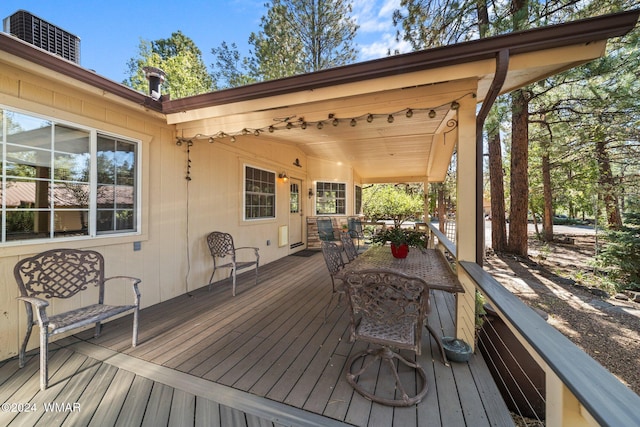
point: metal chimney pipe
(156, 77)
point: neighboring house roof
(23, 194)
(411, 145)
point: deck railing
(578, 390)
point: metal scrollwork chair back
(325, 229)
(349, 248)
(224, 254)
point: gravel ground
(557, 278)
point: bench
(62, 273)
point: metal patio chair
(222, 249)
(325, 229)
(392, 308)
(349, 248)
(332, 254)
(354, 225)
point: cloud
(376, 32)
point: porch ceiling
(415, 147)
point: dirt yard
(557, 278)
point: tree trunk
(547, 217)
(496, 184)
(518, 236)
(607, 185)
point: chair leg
(23, 348)
(439, 342)
(44, 355)
(134, 339)
(326, 309)
(211, 278)
(233, 273)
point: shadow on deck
(264, 357)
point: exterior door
(295, 214)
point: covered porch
(264, 357)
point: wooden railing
(579, 391)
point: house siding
(176, 214)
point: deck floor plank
(207, 413)
(132, 412)
(90, 401)
(183, 407)
(159, 405)
(109, 409)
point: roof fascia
(573, 33)
(35, 55)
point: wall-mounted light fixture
(284, 176)
(310, 192)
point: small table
(427, 264)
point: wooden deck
(265, 357)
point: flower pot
(400, 251)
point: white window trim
(93, 136)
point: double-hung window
(59, 180)
(331, 198)
(259, 193)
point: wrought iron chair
(332, 254)
(325, 229)
(349, 248)
(392, 307)
(221, 246)
(354, 225)
(63, 273)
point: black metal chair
(392, 308)
(221, 246)
(325, 229)
(356, 231)
(349, 248)
(332, 254)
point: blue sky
(110, 31)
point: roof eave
(573, 33)
(41, 57)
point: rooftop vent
(156, 77)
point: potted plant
(401, 239)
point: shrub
(620, 257)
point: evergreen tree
(301, 36)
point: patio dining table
(427, 264)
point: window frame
(336, 199)
(245, 192)
(93, 135)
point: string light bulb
(287, 123)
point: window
(259, 194)
(330, 198)
(294, 198)
(60, 180)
